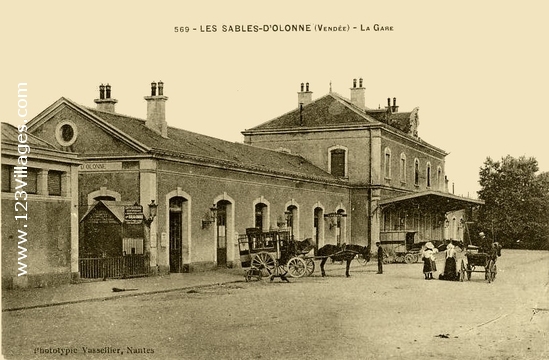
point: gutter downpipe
(370, 191)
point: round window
(65, 133)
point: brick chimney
(358, 95)
(395, 107)
(304, 96)
(156, 110)
(105, 102)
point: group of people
(429, 262)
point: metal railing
(114, 267)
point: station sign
(133, 214)
(101, 166)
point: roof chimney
(358, 95)
(105, 103)
(304, 97)
(395, 107)
(156, 110)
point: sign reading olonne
(133, 214)
(101, 166)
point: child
(429, 264)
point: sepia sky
(476, 70)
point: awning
(434, 201)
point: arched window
(403, 167)
(337, 161)
(260, 216)
(387, 163)
(439, 178)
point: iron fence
(114, 267)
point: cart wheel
(264, 262)
(409, 258)
(296, 267)
(310, 266)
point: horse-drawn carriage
(400, 247)
(476, 258)
(274, 254)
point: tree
(516, 209)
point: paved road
(367, 316)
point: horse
(303, 246)
(342, 253)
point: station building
(39, 211)
(397, 183)
(330, 169)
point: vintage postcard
(251, 180)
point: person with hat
(450, 270)
(429, 264)
(379, 258)
(485, 244)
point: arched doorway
(176, 230)
(222, 231)
(291, 221)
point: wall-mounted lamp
(210, 217)
(153, 208)
(334, 218)
(288, 215)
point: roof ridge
(353, 107)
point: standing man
(379, 258)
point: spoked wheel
(253, 273)
(264, 262)
(296, 267)
(309, 266)
(410, 258)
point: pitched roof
(10, 136)
(329, 110)
(334, 110)
(115, 207)
(189, 145)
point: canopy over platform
(433, 201)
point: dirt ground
(396, 315)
